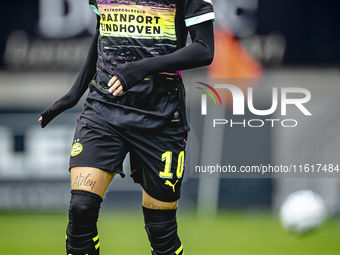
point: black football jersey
(132, 30)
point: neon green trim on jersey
(93, 8)
(97, 245)
(179, 250)
(199, 19)
(95, 238)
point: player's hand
(40, 121)
(115, 86)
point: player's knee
(84, 207)
(161, 227)
(81, 233)
(79, 214)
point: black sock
(81, 234)
(161, 227)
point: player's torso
(131, 30)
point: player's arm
(79, 87)
(199, 53)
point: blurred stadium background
(284, 43)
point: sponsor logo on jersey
(77, 148)
(170, 184)
(137, 21)
(176, 117)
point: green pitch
(123, 233)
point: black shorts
(157, 160)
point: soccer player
(136, 104)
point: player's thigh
(97, 146)
(157, 163)
(91, 179)
(153, 203)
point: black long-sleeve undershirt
(199, 53)
(72, 97)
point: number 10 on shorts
(167, 157)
